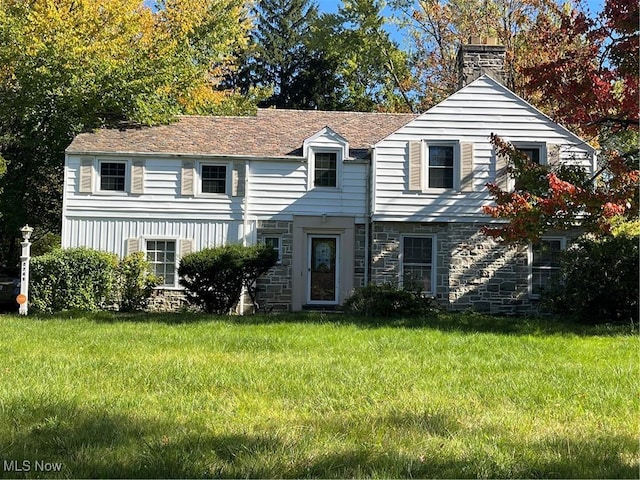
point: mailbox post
(25, 255)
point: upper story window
(536, 152)
(440, 172)
(214, 178)
(545, 263)
(113, 176)
(325, 171)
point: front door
(323, 261)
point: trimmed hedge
(90, 280)
(214, 277)
(387, 301)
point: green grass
(317, 396)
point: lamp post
(23, 298)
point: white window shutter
(415, 166)
(86, 175)
(137, 177)
(187, 178)
(133, 245)
(466, 167)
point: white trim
(541, 146)
(426, 143)
(434, 257)
(563, 246)
(98, 176)
(198, 178)
(163, 238)
(312, 167)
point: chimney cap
(477, 40)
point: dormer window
(325, 152)
(325, 173)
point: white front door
(322, 267)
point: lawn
(315, 395)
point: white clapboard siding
(120, 235)
(468, 117)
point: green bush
(598, 281)
(77, 278)
(214, 277)
(386, 301)
(136, 282)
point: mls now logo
(27, 466)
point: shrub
(598, 281)
(77, 278)
(386, 301)
(214, 277)
(136, 282)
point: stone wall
(274, 288)
(472, 270)
(165, 300)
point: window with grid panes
(161, 254)
(214, 178)
(113, 176)
(440, 173)
(417, 263)
(545, 264)
(325, 169)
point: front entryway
(323, 260)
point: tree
(590, 82)
(74, 65)
(437, 29)
(279, 56)
(371, 67)
(559, 197)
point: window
(325, 172)
(162, 256)
(274, 242)
(214, 178)
(417, 263)
(113, 176)
(545, 263)
(535, 151)
(440, 171)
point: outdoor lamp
(26, 232)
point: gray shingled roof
(271, 133)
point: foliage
(436, 29)
(598, 280)
(46, 243)
(89, 280)
(559, 197)
(136, 282)
(214, 277)
(75, 65)
(77, 278)
(386, 301)
(583, 69)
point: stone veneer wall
(473, 271)
(360, 257)
(274, 288)
(164, 300)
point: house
(346, 198)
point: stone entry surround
(472, 270)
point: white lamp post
(24, 269)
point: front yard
(316, 396)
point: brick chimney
(479, 57)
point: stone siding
(274, 288)
(472, 270)
(360, 257)
(165, 300)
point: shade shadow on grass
(93, 442)
(464, 322)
